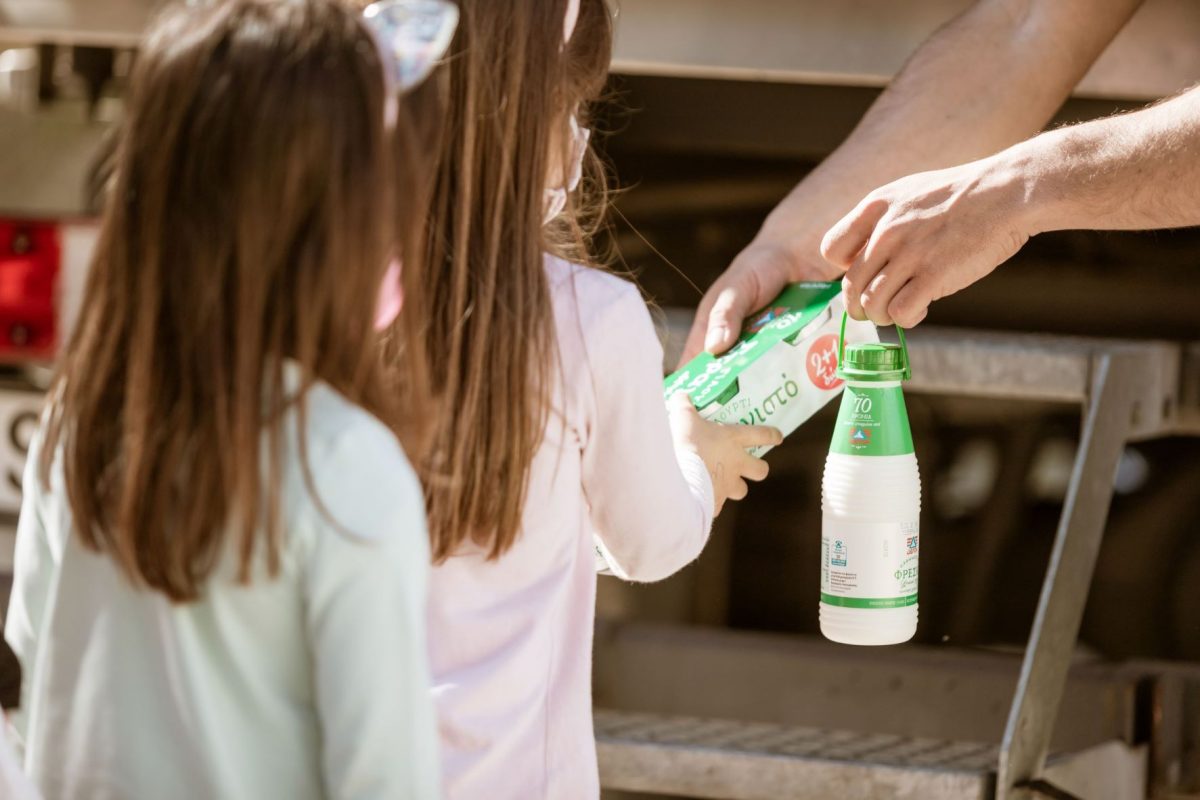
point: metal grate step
(750, 760)
(733, 760)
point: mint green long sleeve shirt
(314, 684)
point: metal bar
(865, 42)
(104, 23)
(916, 691)
(1115, 388)
(850, 43)
(1019, 366)
(1060, 369)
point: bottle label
(869, 564)
(872, 422)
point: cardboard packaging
(780, 372)
(782, 369)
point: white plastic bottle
(871, 505)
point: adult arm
(931, 234)
(992, 76)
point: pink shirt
(511, 640)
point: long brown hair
(246, 227)
(490, 340)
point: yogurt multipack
(782, 369)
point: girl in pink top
(549, 377)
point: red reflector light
(30, 254)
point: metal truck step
(732, 760)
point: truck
(1059, 647)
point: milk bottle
(871, 503)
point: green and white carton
(781, 371)
(783, 368)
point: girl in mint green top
(222, 557)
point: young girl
(550, 375)
(214, 597)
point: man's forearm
(989, 78)
(931, 234)
(1134, 171)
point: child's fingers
(758, 436)
(679, 399)
(738, 489)
(680, 403)
(752, 468)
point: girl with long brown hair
(549, 375)
(222, 556)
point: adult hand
(755, 278)
(927, 236)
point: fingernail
(716, 338)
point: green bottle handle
(841, 352)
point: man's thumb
(724, 321)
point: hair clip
(413, 34)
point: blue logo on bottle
(838, 557)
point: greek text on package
(782, 369)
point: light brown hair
(512, 85)
(245, 228)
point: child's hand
(722, 447)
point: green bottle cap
(873, 362)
